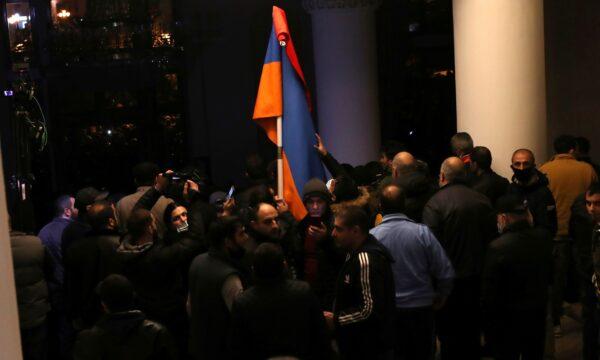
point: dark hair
(167, 219)
(252, 211)
(116, 293)
(260, 194)
(255, 167)
(392, 199)
(99, 214)
(223, 228)
(461, 141)
(138, 222)
(564, 143)
(593, 189)
(268, 261)
(62, 202)
(391, 147)
(145, 173)
(482, 156)
(583, 144)
(354, 216)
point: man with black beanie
(516, 276)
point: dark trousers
(561, 254)
(34, 342)
(591, 322)
(518, 335)
(414, 333)
(458, 322)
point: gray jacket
(126, 204)
(31, 266)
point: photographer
(156, 268)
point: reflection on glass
(19, 32)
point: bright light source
(109, 132)
(63, 14)
(15, 18)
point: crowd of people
(392, 261)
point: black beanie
(316, 187)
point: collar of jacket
(395, 217)
(518, 225)
(127, 247)
(143, 188)
(563, 157)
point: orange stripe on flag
(269, 101)
(290, 192)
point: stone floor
(568, 347)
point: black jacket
(539, 200)
(418, 189)
(517, 271)
(279, 318)
(154, 269)
(125, 336)
(364, 305)
(329, 260)
(464, 223)
(210, 319)
(581, 228)
(87, 262)
(490, 184)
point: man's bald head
(403, 162)
(101, 215)
(523, 155)
(452, 169)
(392, 199)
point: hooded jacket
(364, 304)
(125, 336)
(540, 200)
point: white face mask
(183, 227)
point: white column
(500, 76)
(345, 56)
(10, 337)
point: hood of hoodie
(316, 187)
(128, 251)
(122, 324)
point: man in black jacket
(364, 307)
(464, 223)
(531, 184)
(278, 316)
(87, 262)
(481, 176)
(516, 277)
(216, 278)
(317, 258)
(417, 186)
(155, 269)
(123, 333)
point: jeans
(414, 333)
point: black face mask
(523, 175)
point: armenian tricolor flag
(283, 99)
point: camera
(178, 177)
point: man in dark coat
(481, 176)
(278, 316)
(464, 223)
(124, 333)
(87, 262)
(532, 185)
(216, 278)
(516, 277)
(364, 307)
(317, 258)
